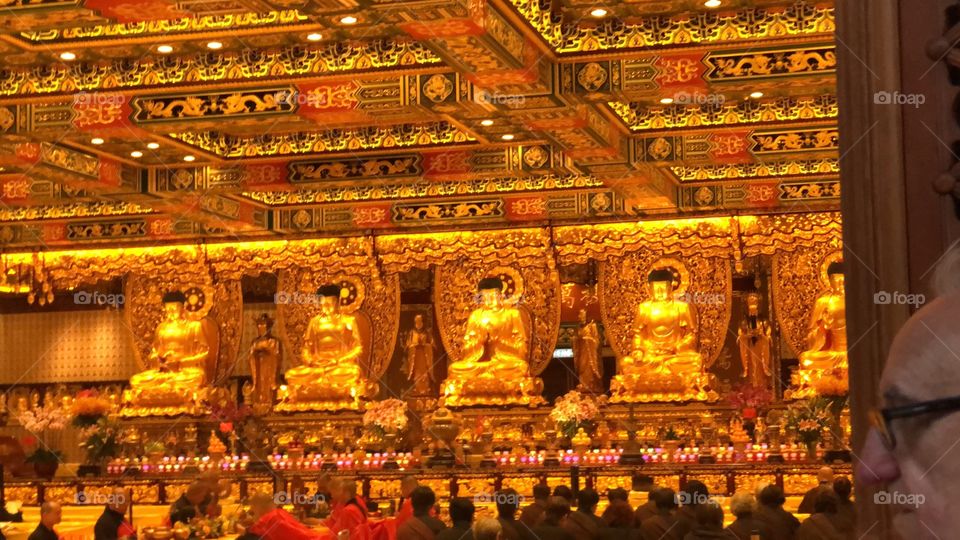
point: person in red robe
(349, 511)
(272, 523)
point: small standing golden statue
(329, 377)
(493, 369)
(823, 366)
(664, 364)
(586, 355)
(420, 349)
(176, 377)
(265, 358)
(754, 340)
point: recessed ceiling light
(67, 55)
(507, 136)
(214, 45)
(316, 36)
(153, 145)
(486, 122)
(136, 153)
(666, 100)
(164, 49)
(713, 3)
(598, 12)
(349, 19)
(96, 140)
(188, 158)
(756, 95)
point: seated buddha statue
(493, 369)
(663, 364)
(824, 363)
(177, 362)
(329, 375)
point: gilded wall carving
(372, 299)
(705, 282)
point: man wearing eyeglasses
(912, 452)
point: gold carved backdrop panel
(533, 287)
(221, 303)
(799, 277)
(705, 282)
(374, 301)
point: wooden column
(895, 226)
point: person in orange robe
(407, 485)
(272, 523)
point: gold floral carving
(798, 279)
(828, 166)
(517, 247)
(640, 116)
(623, 286)
(799, 19)
(372, 299)
(220, 302)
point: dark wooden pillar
(895, 224)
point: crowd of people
(645, 512)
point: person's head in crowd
(487, 529)
(422, 498)
(557, 510)
(617, 494)
(461, 510)
(904, 453)
(508, 500)
(826, 503)
(347, 490)
(587, 500)
(407, 485)
(843, 487)
(772, 496)
(825, 475)
(641, 482)
(694, 493)
(541, 492)
(565, 492)
(619, 515)
(261, 503)
(665, 499)
(119, 500)
(742, 504)
(50, 513)
(197, 492)
(709, 516)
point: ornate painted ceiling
(162, 120)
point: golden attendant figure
(586, 355)
(754, 340)
(265, 358)
(420, 349)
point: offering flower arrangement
(748, 398)
(101, 440)
(43, 422)
(88, 408)
(809, 418)
(574, 411)
(388, 415)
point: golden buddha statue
(663, 364)
(823, 366)
(265, 359)
(174, 382)
(754, 340)
(329, 376)
(494, 368)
